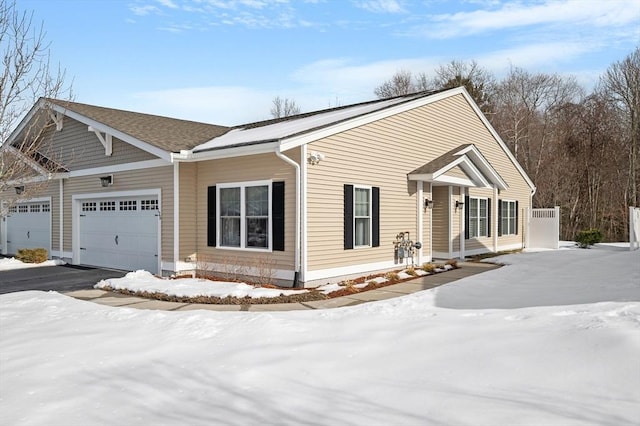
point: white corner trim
(176, 212)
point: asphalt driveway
(56, 278)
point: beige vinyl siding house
(312, 198)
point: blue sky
(223, 61)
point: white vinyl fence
(634, 228)
(544, 228)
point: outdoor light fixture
(459, 204)
(19, 189)
(315, 158)
(428, 203)
(106, 181)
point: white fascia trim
(100, 127)
(238, 151)
(27, 118)
(322, 274)
(477, 160)
(294, 141)
(497, 138)
(38, 179)
(468, 167)
(126, 167)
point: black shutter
(211, 216)
(466, 217)
(516, 230)
(375, 216)
(348, 217)
(277, 220)
(499, 218)
(488, 217)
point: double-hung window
(508, 217)
(477, 217)
(248, 215)
(361, 216)
(244, 216)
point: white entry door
(29, 226)
(120, 233)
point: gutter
(296, 273)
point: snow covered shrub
(411, 271)
(37, 255)
(453, 263)
(588, 237)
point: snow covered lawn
(10, 263)
(551, 339)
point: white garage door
(120, 233)
(29, 226)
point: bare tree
(284, 107)
(479, 82)
(400, 84)
(26, 76)
(621, 82)
(525, 106)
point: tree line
(579, 147)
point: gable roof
(287, 127)
(469, 158)
(169, 134)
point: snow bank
(144, 281)
(10, 263)
(414, 360)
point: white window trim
(243, 227)
(370, 189)
(486, 217)
(509, 218)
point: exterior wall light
(19, 189)
(106, 181)
(428, 203)
(315, 158)
(459, 204)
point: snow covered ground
(10, 263)
(551, 339)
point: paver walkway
(465, 269)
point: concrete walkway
(465, 269)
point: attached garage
(118, 232)
(28, 225)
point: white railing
(544, 228)
(634, 228)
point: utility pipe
(296, 273)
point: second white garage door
(120, 233)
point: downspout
(61, 219)
(296, 272)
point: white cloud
(532, 56)
(515, 15)
(168, 3)
(381, 6)
(143, 10)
